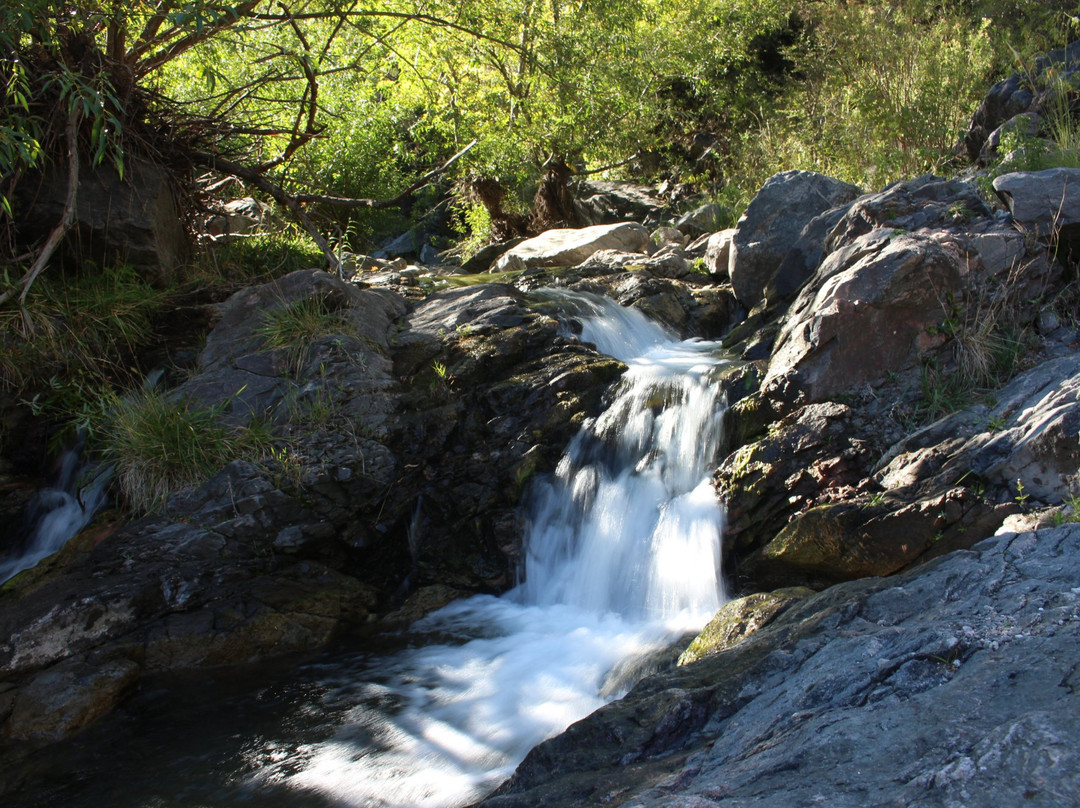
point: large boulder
(568, 247)
(600, 202)
(772, 223)
(1045, 203)
(828, 702)
(903, 270)
(132, 219)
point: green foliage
(159, 445)
(886, 94)
(260, 257)
(77, 335)
(295, 326)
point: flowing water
(56, 513)
(623, 556)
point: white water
(57, 513)
(623, 556)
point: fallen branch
(293, 202)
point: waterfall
(56, 513)
(623, 556)
(629, 524)
(622, 559)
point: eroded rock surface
(954, 684)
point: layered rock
(828, 701)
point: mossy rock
(740, 618)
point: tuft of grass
(294, 326)
(77, 336)
(159, 445)
(256, 258)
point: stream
(622, 559)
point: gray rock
(705, 219)
(238, 217)
(1033, 443)
(568, 247)
(951, 685)
(133, 220)
(772, 223)
(597, 202)
(717, 252)
(1042, 201)
(1031, 92)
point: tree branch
(248, 174)
(67, 219)
(380, 204)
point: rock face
(829, 701)
(894, 270)
(772, 223)
(134, 220)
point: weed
(295, 326)
(1021, 497)
(159, 445)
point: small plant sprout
(1021, 497)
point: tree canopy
(352, 105)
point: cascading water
(56, 513)
(622, 558)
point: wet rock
(65, 698)
(828, 701)
(772, 223)
(811, 455)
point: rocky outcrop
(404, 437)
(1030, 95)
(132, 220)
(914, 296)
(829, 701)
(772, 223)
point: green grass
(295, 326)
(159, 445)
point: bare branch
(142, 65)
(380, 204)
(71, 134)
